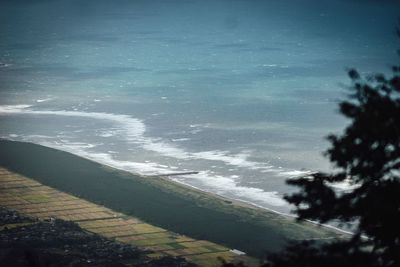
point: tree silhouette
(367, 157)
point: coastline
(235, 201)
(241, 203)
(181, 200)
(134, 134)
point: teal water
(242, 91)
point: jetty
(178, 173)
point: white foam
(180, 139)
(38, 136)
(165, 149)
(149, 168)
(344, 185)
(239, 160)
(134, 128)
(270, 65)
(294, 173)
(226, 186)
(78, 144)
(43, 100)
(106, 134)
(134, 131)
(13, 108)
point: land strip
(159, 201)
(35, 200)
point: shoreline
(237, 201)
(247, 204)
(234, 201)
(161, 201)
(134, 132)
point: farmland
(44, 203)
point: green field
(157, 201)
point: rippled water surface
(243, 92)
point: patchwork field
(39, 201)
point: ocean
(242, 92)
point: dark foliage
(336, 254)
(367, 156)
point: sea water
(243, 92)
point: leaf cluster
(367, 157)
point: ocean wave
(228, 187)
(44, 100)
(221, 185)
(134, 128)
(180, 139)
(234, 160)
(147, 168)
(134, 131)
(294, 173)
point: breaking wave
(134, 129)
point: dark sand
(159, 201)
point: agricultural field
(35, 200)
